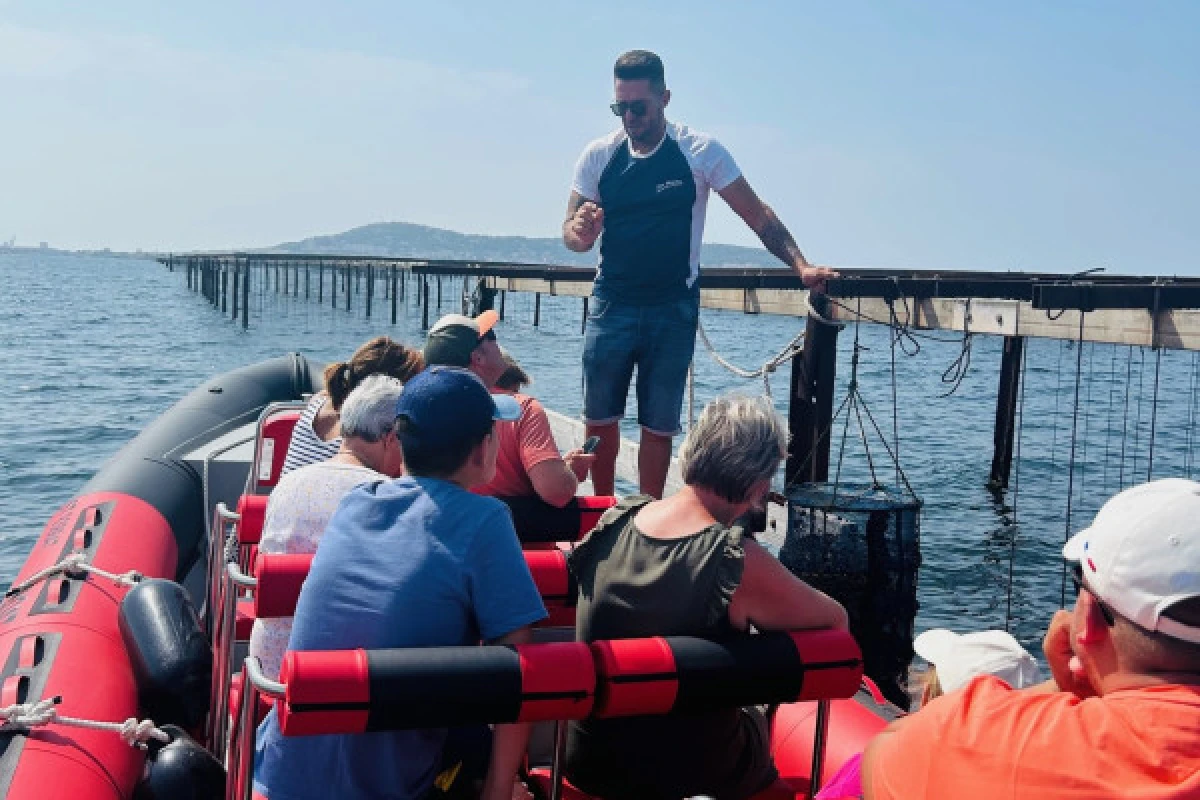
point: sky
(935, 135)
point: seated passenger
(514, 378)
(414, 562)
(954, 660)
(528, 463)
(302, 503)
(317, 435)
(1121, 717)
(683, 566)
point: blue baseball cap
(443, 406)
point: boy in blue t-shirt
(414, 562)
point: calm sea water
(95, 348)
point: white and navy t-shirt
(654, 207)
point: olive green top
(632, 585)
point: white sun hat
(959, 658)
(1141, 554)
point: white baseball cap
(1141, 554)
(959, 658)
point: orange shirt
(524, 444)
(988, 741)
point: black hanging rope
(1137, 423)
(1071, 462)
(1153, 413)
(1087, 405)
(854, 402)
(1062, 345)
(1125, 415)
(957, 371)
(1112, 386)
(895, 406)
(851, 399)
(1191, 420)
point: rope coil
(23, 716)
(76, 565)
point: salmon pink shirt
(988, 741)
(524, 444)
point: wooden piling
(1006, 411)
(582, 324)
(395, 273)
(370, 288)
(810, 412)
(537, 308)
(237, 274)
(320, 282)
(225, 290)
(307, 280)
(333, 282)
(425, 304)
(246, 297)
(439, 292)
(349, 286)
(503, 296)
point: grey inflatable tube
(151, 467)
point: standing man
(645, 186)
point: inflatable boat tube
(151, 466)
(59, 636)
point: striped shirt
(306, 447)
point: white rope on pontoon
(75, 562)
(792, 349)
(133, 732)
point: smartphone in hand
(591, 444)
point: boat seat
(243, 621)
(540, 525)
(252, 514)
(270, 449)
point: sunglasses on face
(637, 108)
(490, 336)
(1076, 571)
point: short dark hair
(441, 461)
(641, 65)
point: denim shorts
(659, 339)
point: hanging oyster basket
(861, 544)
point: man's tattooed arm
(775, 237)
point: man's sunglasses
(1076, 571)
(637, 108)
(490, 336)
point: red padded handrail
(358, 691)
(252, 508)
(281, 576)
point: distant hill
(404, 239)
